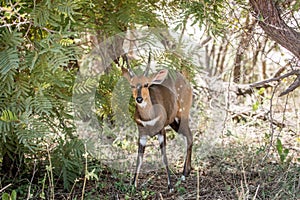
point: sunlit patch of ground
(241, 165)
(236, 155)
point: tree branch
(269, 19)
(278, 78)
(291, 88)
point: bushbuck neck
(161, 100)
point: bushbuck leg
(182, 126)
(175, 125)
(186, 131)
(139, 162)
(162, 143)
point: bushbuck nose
(139, 99)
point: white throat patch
(143, 104)
(151, 122)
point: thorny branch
(19, 20)
(291, 88)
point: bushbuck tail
(161, 100)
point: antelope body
(161, 100)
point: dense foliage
(42, 44)
(38, 67)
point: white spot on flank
(181, 86)
(151, 122)
(180, 110)
(143, 104)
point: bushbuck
(161, 100)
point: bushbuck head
(140, 84)
(160, 101)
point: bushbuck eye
(146, 85)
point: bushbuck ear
(125, 73)
(160, 76)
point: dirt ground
(228, 173)
(255, 156)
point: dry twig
(291, 88)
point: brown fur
(167, 99)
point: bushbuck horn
(148, 65)
(131, 73)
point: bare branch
(292, 87)
(278, 78)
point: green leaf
(9, 60)
(43, 105)
(261, 91)
(279, 146)
(282, 152)
(13, 195)
(11, 38)
(8, 116)
(255, 106)
(40, 15)
(5, 196)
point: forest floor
(239, 167)
(242, 154)
(237, 175)
(248, 156)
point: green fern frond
(68, 8)
(40, 15)
(66, 159)
(84, 86)
(7, 84)
(9, 59)
(22, 88)
(8, 116)
(42, 105)
(119, 102)
(66, 42)
(5, 129)
(58, 60)
(32, 134)
(10, 38)
(55, 20)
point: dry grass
(235, 157)
(231, 171)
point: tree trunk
(268, 17)
(243, 45)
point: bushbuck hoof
(171, 189)
(183, 177)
